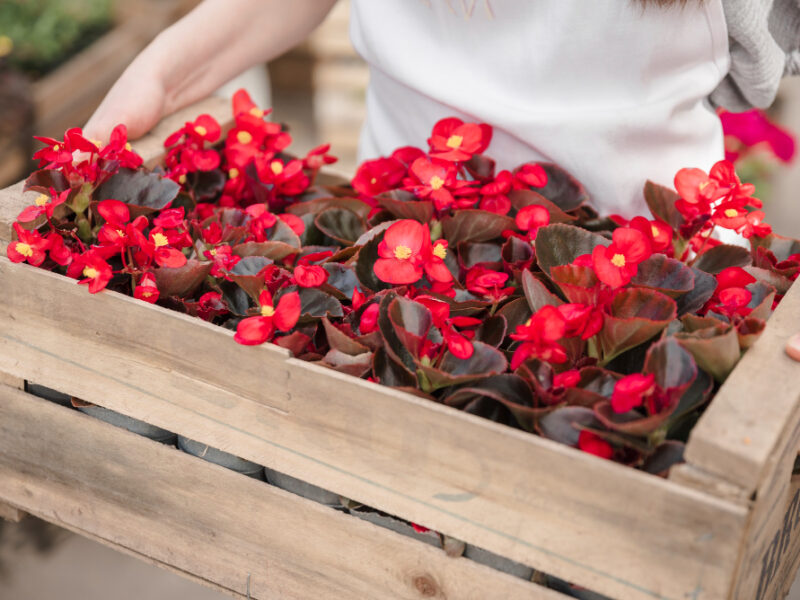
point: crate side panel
(215, 523)
(606, 527)
(757, 408)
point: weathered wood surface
(618, 531)
(756, 414)
(11, 513)
(230, 530)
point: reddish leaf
(717, 259)
(661, 202)
(563, 189)
(522, 198)
(536, 293)
(404, 205)
(341, 224)
(559, 244)
(275, 251)
(472, 225)
(666, 275)
(181, 281)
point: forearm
(222, 38)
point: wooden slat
(609, 528)
(11, 513)
(756, 413)
(223, 527)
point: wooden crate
(723, 526)
(68, 96)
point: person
(614, 91)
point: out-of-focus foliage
(47, 32)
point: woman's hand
(207, 48)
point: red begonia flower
(752, 128)
(30, 247)
(594, 444)
(755, 226)
(378, 176)
(434, 265)
(118, 149)
(696, 186)
(318, 157)
(730, 216)
(59, 252)
(402, 252)
(529, 175)
(454, 140)
(567, 379)
(616, 264)
(582, 321)
(428, 179)
(488, 283)
(630, 391)
(158, 248)
(257, 330)
(369, 319)
(147, 290)
(95, 270)
(658, 232)
(44, 204)
(310, 276)
(531, 218)
(539, 337)
(288, 178)
(294, 222)
(495, 194)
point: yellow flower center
(146, 293)
(439, 251)
(267, 311)
(90, 272)
(437, 182)
(454, 141)
(233, 173)
(213, 252)
(402, 252)
(276, 167)
(703, 185)
(120, 233)
(200, 130)
(654, 231)
(42, 199)
(618, 260)
(731, 212)
(373, 181)
(6, 45)
(24, 249)
(128, 146)
(159, 239)
(182, 179)
(57, 147)
(528, 322)
(244, 137)
(256, 112)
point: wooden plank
(11, 513)
(609, 528)
(239, 533)
(150, 147)
(757, 411)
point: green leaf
(339, 340)
(714, 351)
(636, 315)
(275, 251)
(666, 275)
(181, 281)
(511, 391)
(473, 225)
(661, 201)
(341, 224)
(367, 256)
(704, 287)
(559, 244)
(566, 423)
(315, 303)
(248, 274)
(411, 322)
(536, 293)
(717, 259)
(139, 188)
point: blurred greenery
(45, 33)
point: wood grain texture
(238, 533)
(756, 414)
(11, 513)
(609, 528)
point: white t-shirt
(613, 92)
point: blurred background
(57, 60)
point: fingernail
(793, 347)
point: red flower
(488, 283)
(318, 157)
(495, 194)
(159, 250)
(147, 290)
(257, 330)
(58, 250)
(432, 180)
(539, 337)
(752, 128)
(402, 252)
(435, 267)
(369, 319)
(529, 175)
(43, 205)
(96, 271)
(730, 216)
(617, 264)
(659, 233)
(531, 218)
(630, 391)
(118, 149)
(582, 321)
(378, 176)
(30, 247)
(732, 296)
(288, 179)
(454, 140)
(310, 275)
(755, 226)
(594, 444)
(210, 305)
(224, 260)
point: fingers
(793, 347)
